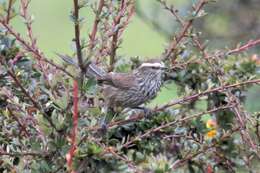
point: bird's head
(153, 66)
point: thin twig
(231, 97)
(125, 159)
(246, 46)
(195, 96)
(92, 36)
(172, 103)
(35, 51)
(148, 133)
(34, 102)
(240, 116)
(22, 126)
(23, 154)
(173, 45)
(9, 10)
(28, 23)
(173, 11)
(178, 163)
(115, 35)
(203, 149)
(77, 34)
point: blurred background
(227, 24)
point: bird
(127, 90)
(130, 90)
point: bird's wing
(123, 80)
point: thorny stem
(9, 11)
(34, 102)
(114, 43)
(195, 96)
(174, 122)
(240, 116)
(244, 47)
(77, 41)
(22, 126)
(173, 45)
(175, 102)
(172, 11)
(231, 97)
(35, 51)
(23, 154)
(204, 149)
(70, 154)
(24, 14)
(28, 23)
(92, 36)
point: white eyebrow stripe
(153, 65)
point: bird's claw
(103, 127)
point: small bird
(130, 90)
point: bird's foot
(103, 127)
(148, 113)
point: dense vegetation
(50, 113)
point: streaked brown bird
(130, 90)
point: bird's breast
(150, 89)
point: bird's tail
(94, 71)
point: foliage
(43, 129)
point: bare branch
(9, 10)
(114, 47)
(92, 36)
(23, 154)
(174, 43)
(77, 35)
(246, 46)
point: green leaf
(62, 102)
(90, 86)
(57, 119)
(43, 124)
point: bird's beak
(164, 68)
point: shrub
(50, 112)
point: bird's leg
(147, 112)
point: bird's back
(136, 90)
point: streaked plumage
(130, 89)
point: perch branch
(148, 133)
(175, 102)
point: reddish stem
(70, 154)
(244, 47)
